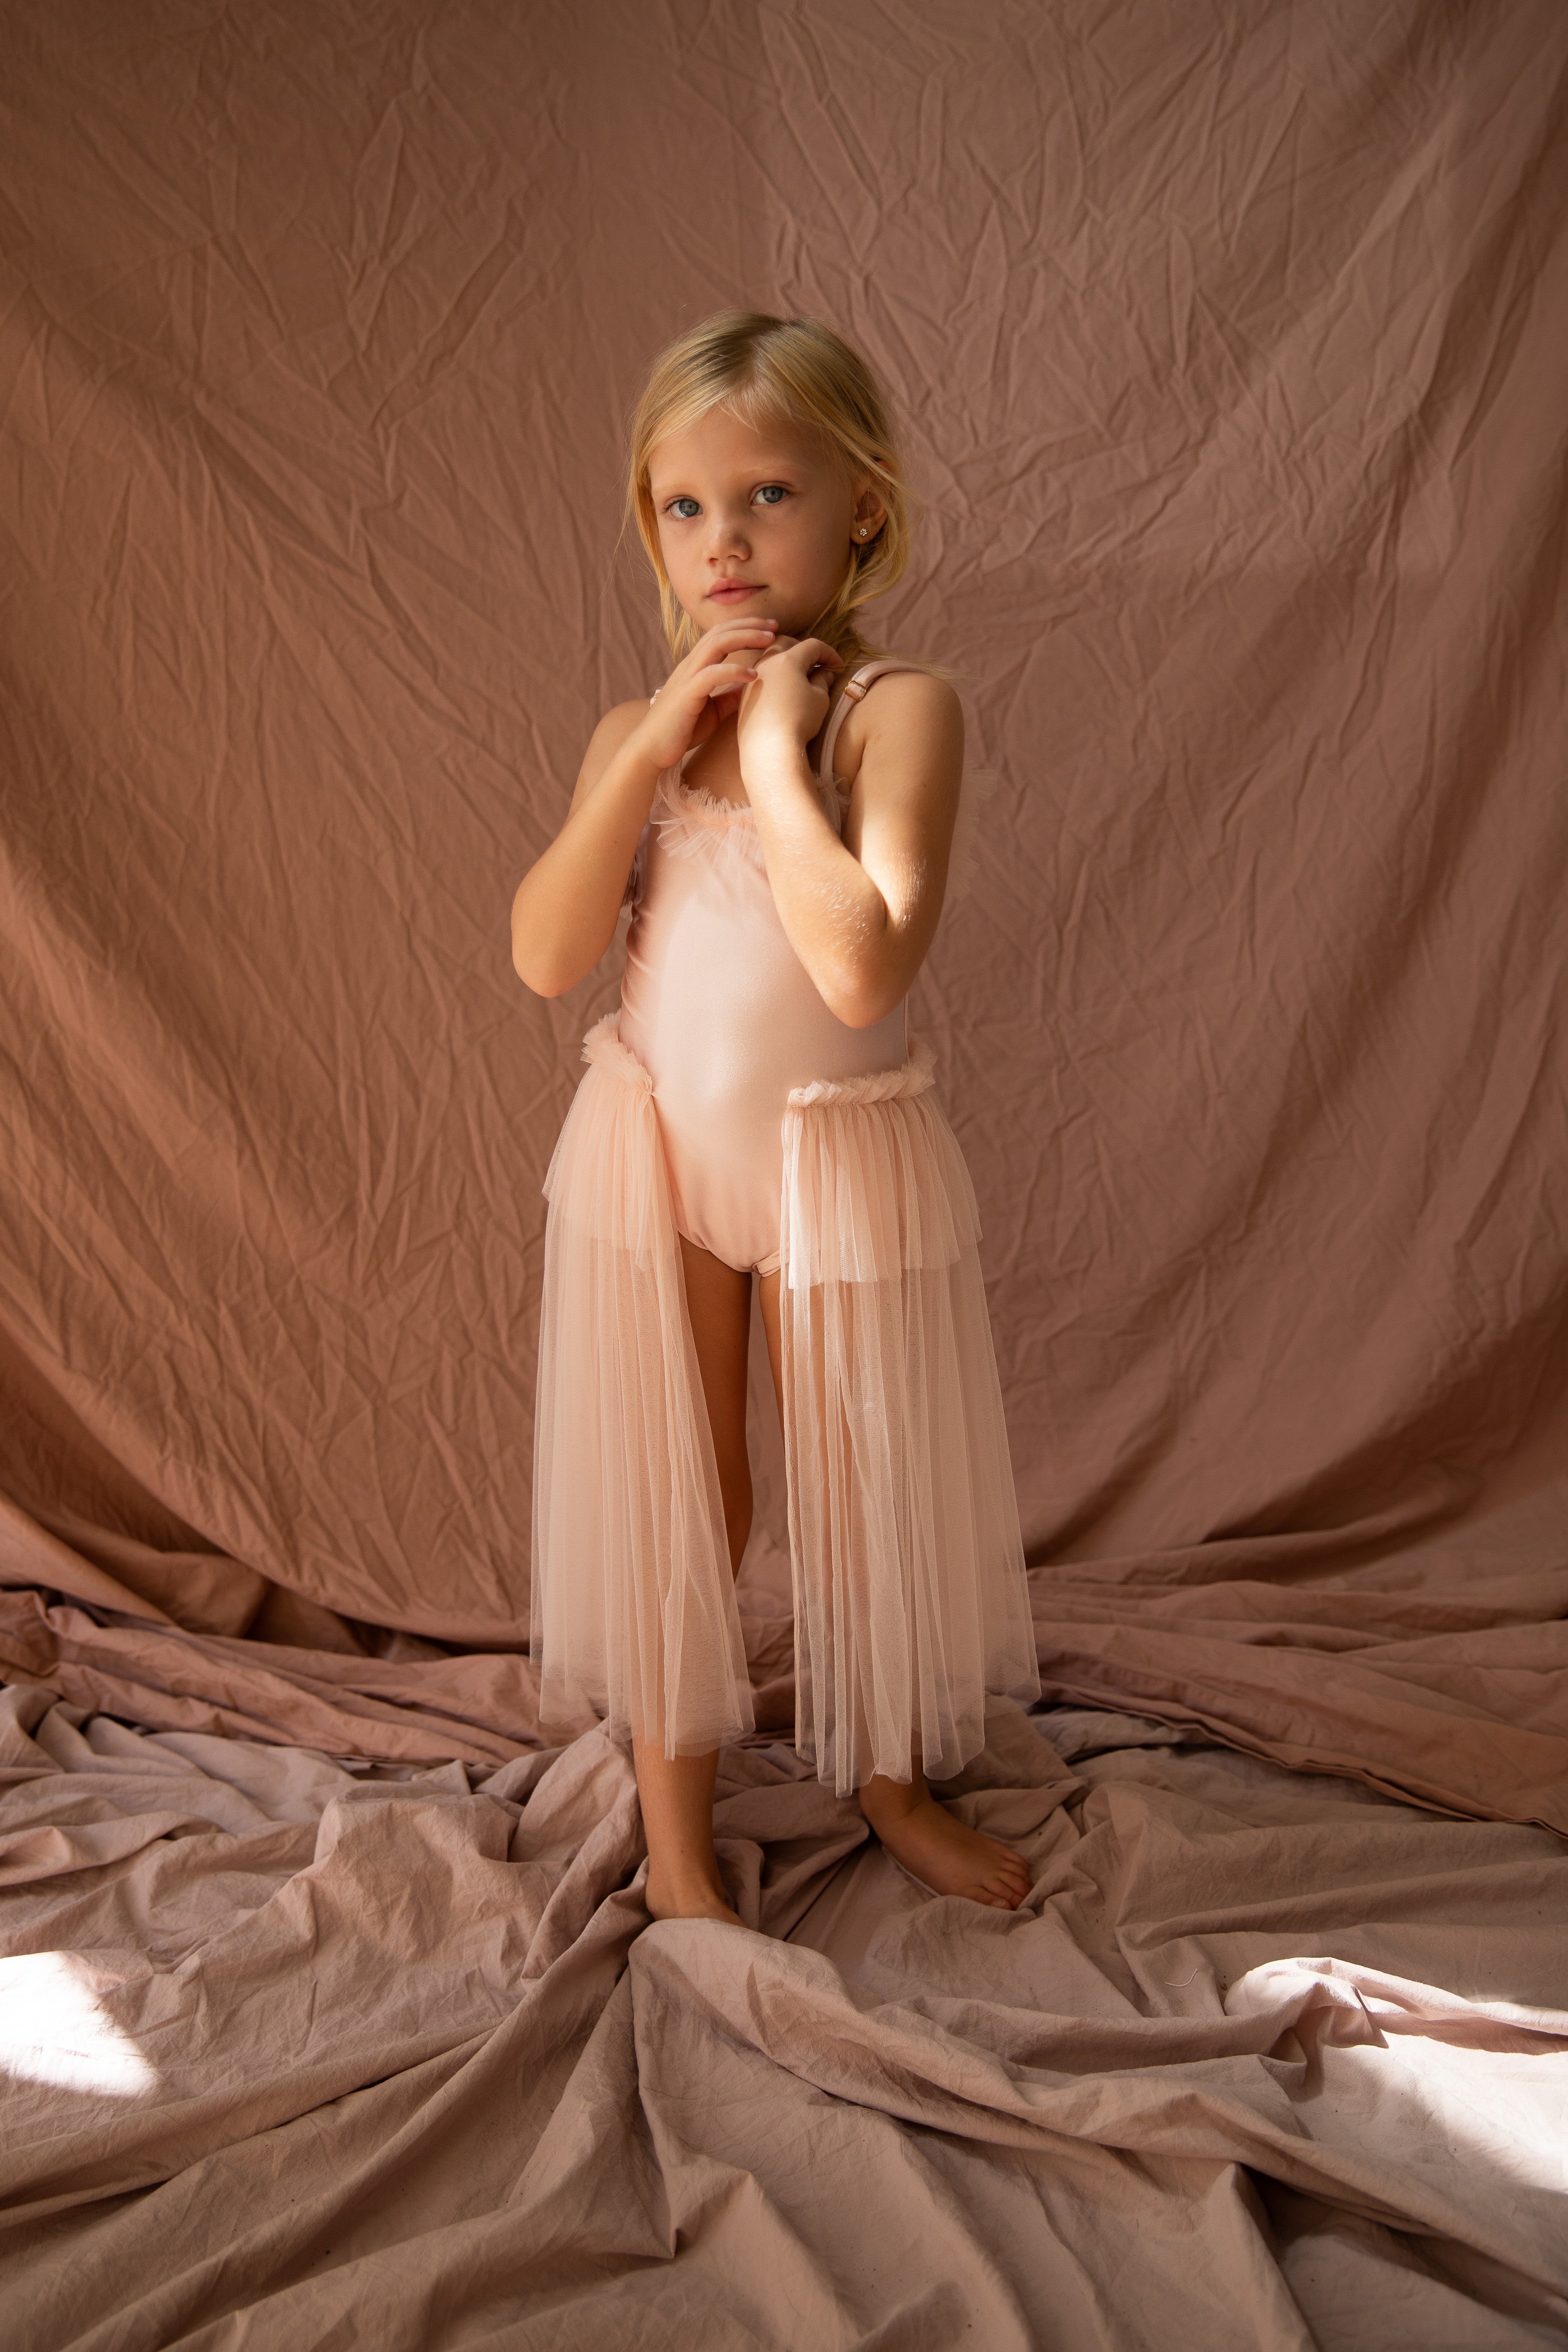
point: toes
(997, 1891)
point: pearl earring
(862, 530)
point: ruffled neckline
(711, 805)
(697, 824)
(692, 822)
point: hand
(787, 704)
(702, 691)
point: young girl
(756, 1107)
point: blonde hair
(760, 369)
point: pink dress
(723, 1101)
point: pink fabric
(717, 1004)
(910, 1601)
(633, 1598)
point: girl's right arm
(563, 915)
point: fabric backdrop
(1227, 340)
(1228, 335)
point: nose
(727, 536)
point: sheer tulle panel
(911, 1596)
(633, 1602)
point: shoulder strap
(854, 691)
(978, 784)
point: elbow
(523, 964)
(535, 972)
(862, 999)
(868, 1014)
(545, 969)
(542, 983)
(531, 981)
(871, 974)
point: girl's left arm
(861, 913)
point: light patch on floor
(54, 2029)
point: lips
(731, 592)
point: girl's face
(755, 522)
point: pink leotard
(719, 1007)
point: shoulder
(616, 724)
(907, 712)
(917, 689)
(605, 740)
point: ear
(869, 514)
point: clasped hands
(776, 687)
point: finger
(699, 681)
(736, 638)
(733, 678)
(738, 633)
(819, 653)
(699, 674)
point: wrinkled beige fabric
(389, 2057)
(1232, 380)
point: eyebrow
(777, 473)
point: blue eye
(772, 492)
(677, 505)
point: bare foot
(949, 1857)
(668, 1898)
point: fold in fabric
(632, 1598)
(911, 1599)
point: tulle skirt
(910, 1601)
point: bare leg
(916, 1829)
(683, 1881)
(719, 1301)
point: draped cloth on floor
(906, 1555)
